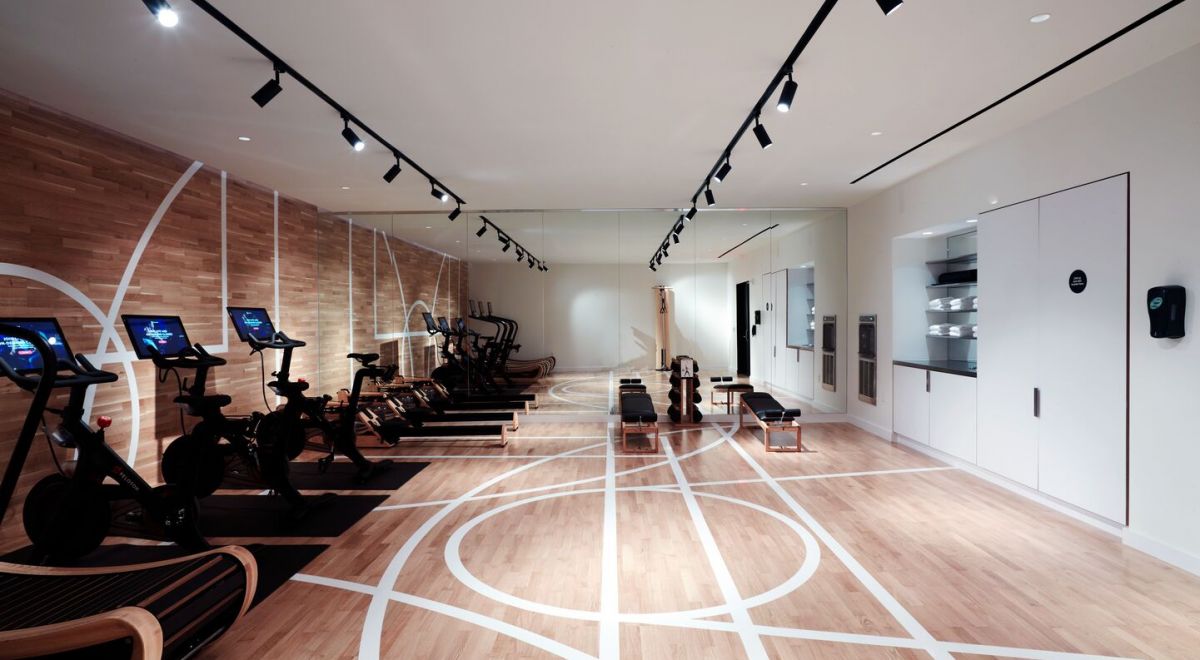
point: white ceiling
(595, 237)
(541, 104)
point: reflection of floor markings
(609, 615)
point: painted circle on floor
(453, 557)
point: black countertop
(956, 367)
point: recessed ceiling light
(345, 187)
(804, 183)
(243, 138)
(1039, 18)
(876, 133)
(428, 227)
(971, 221)
(927, 233)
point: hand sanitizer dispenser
(1165, 305)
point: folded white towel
(962, 331)
(940, 329)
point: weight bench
(771, 416)
(726, 386)
(631, 385)
(638, 417)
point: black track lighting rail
(752, 118)
(525, 254)
(282, 66)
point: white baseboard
(870, 427)
(1163, 551)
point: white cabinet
(1082, 347)
(910, 408)
(1007, 352)
(807, 376)
(952, 418)
(1053, 325)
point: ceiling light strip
(752, 118)
(1095, 47)
(524, 253)
(747, 240)
(283, 67)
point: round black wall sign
(1078, 281)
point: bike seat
(365, 358)
(218, 400)
(289, 386)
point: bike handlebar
(195, 357)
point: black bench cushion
(734, 387)
(767, 408)
(632, 387)
(637, 408)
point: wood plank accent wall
(76, 199)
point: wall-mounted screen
(252, 322)
(21, 356)
(150, 334)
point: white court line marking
(831, 475)
(520, 634)
(565, 484)
(885, 598)
(741, 617)
(454, 562)
(610, 609)
(372, 630)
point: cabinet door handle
(927, 381)
(1037, 402)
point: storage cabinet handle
(1037, 402)
(927, 381)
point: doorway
(743, 329)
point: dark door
(743, 329)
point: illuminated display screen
(164, 334)
(252, 322)
(21, 356)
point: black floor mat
(256, 516)
(276, 563)
(340, 476)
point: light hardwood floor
(558, 545)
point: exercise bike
(69, 513)
(217, 449)
(289, 425)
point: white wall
(602, 316)
(823, 244)
(1149, 125)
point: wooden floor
(559, 545)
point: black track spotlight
(455, 213)
(659, 259)
(352, 138)
(163, 12)
(760, 132)
(889, 6)
(439, 195)
(723, 172)
(710, 197)
(678, 228)
(691, 213)
(393, 172)
(530, 262)
(268, 91)
(787, 95)
(675, 237)
(652, 266)
(506, 245)
(482, 231)
(520, 253)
